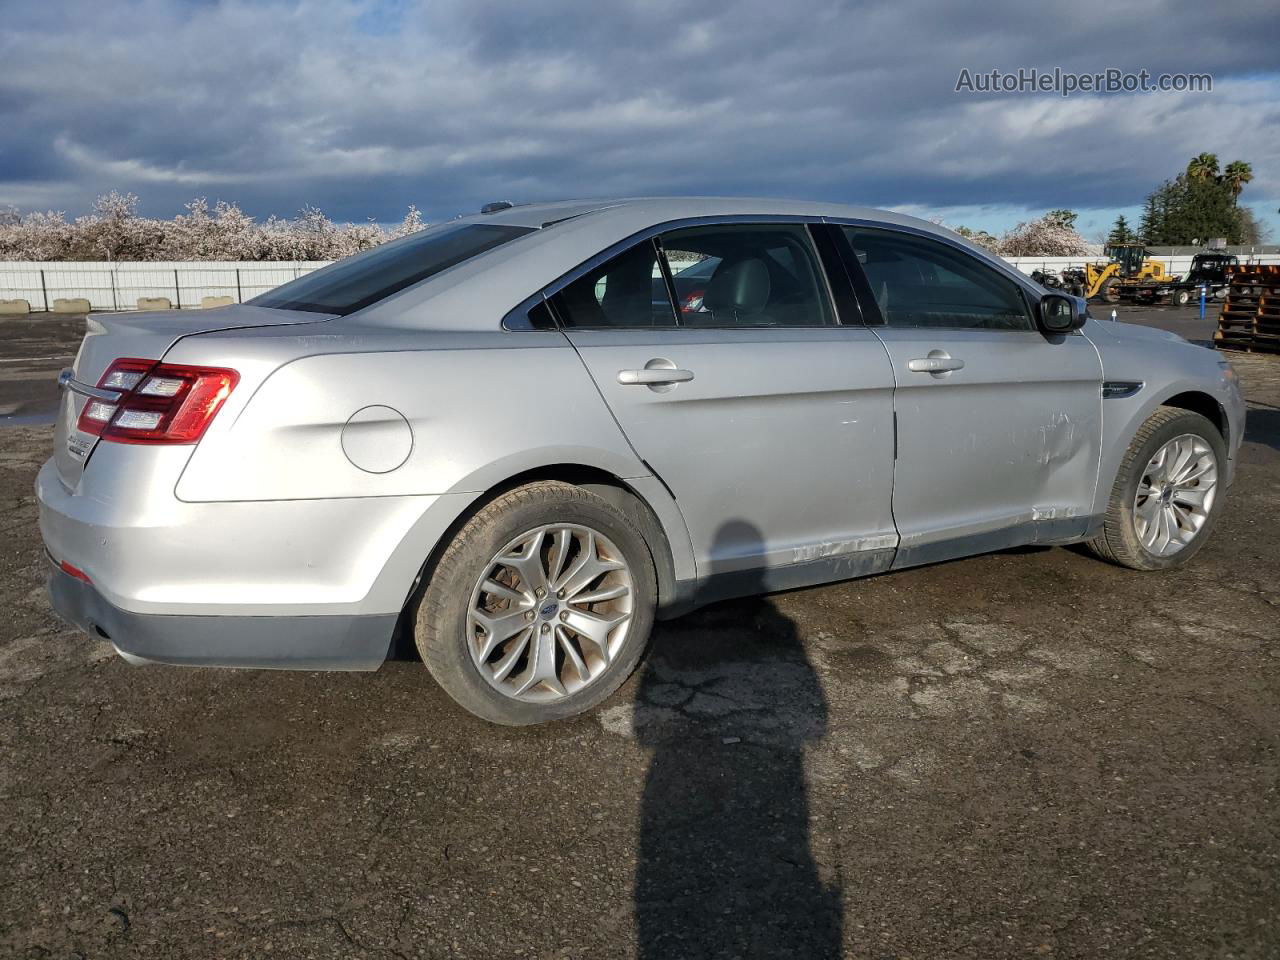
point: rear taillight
(158, 403)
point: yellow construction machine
(1127, 265)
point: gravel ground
(1023, 754)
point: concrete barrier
(14, 307)
(155, 303)
(208, 303)
(71, 305)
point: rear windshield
(350, 285)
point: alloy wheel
(1175, 494)
(550, 612)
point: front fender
(1122, 418)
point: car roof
(661, 209)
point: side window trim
(807, 225)
(667, 281)
(872, 316)
(648, 233)
(867, 310)
(560, 309)
(841, 288)
(517, 319)
(866, 296)
(991, 262)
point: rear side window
(919, 282)
(747, 275)
(353, 284)
(628, 291)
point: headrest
(743, 286)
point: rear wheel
(1181, 297)
(1166, 497)
(540, 607)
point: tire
(540, 515)
(1109, 292)
(1121, 540)
(1181, 298)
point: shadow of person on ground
(728, 701)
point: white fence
(1179, 264)
(118, 286)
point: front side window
(747, 275)
(628, 291)
(353, 284)
(919, 282)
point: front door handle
(655, 376)
(658, 374)
(936, 362)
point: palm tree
(1203, 167)
(1237, 174)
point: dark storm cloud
(362, 108)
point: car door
(998, 424)
(769, 421)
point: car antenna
(497, 205)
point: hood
(1130, 332)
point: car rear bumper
(272, 642)
(147, 552)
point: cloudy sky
(362, 107)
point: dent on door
(998, 453)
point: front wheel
(540, 606)
(1181, 297)
(1167, 493)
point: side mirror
(1059, 314)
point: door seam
(632, 447)
(893, 484)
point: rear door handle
(654, 376)
(934, 364)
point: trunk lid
(147, 336)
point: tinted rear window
(350, 285)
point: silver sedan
(524, 435)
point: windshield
(352, 284)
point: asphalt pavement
(1029, 753)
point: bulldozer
(1127, 265)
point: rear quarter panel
(481, 407)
